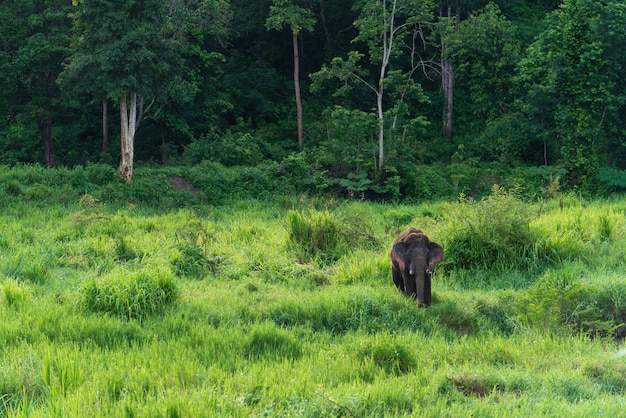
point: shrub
(230, 150)
(133, 296)
(219, 183)
(561, 299)
(12, 188)
(423, 182)
(315, 235)
(101, 174)
(491, 233)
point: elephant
(413, 256)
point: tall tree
(485, 51)
(391, 30)
(447, 69)
(35, 42)
(131, 51)
(574, 86)
(297, 18)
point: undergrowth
(286, 307)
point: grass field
(286, 308)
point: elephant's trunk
(420, 285)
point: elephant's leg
(427, 291)
(409, 284)
(396, 275)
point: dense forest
(375, 98)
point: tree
(297, 18)
(485, 51)
(574, 86)
(35, 40)
(447, 69)
(391, 30)
(130, 51)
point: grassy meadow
(285, 307)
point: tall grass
(254, 308)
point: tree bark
(45, 131)
(447, 74)
(296, 83)
(105, 126)
(130, 115)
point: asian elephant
(413, 256)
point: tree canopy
(534, 83)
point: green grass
(232, 311)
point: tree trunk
(447, 84)
(45, 131)
(447, 74)
(105, 126)
(388, 34)
(130, 115)
(296, 83)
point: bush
(491, 233)
(229, 150)
(135, 296)
(315, 235)
(101, 174)
(561, 299)
(423, 182)
(219, 183)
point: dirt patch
(180, 183)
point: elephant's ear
(435, 254)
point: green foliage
(229, 150)
(14, 293)
(101, 174)
(315, 235)
(561, 300)
(130, 295)
(570, 80)
(611, 179)
(491, 233)
(195, 257)
(387, 353)
(267, 342)
(485, 50)
(495, 340)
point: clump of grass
(12, 188)
(61, 374)
(268, 342)
(472, 385)
(191, 261)
(125, 250)
(315, 235)
(34, 268)
(389, 355)
(14, 293)
(135, 295)
(194, 258)
(324, 237)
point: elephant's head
(413, 256)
